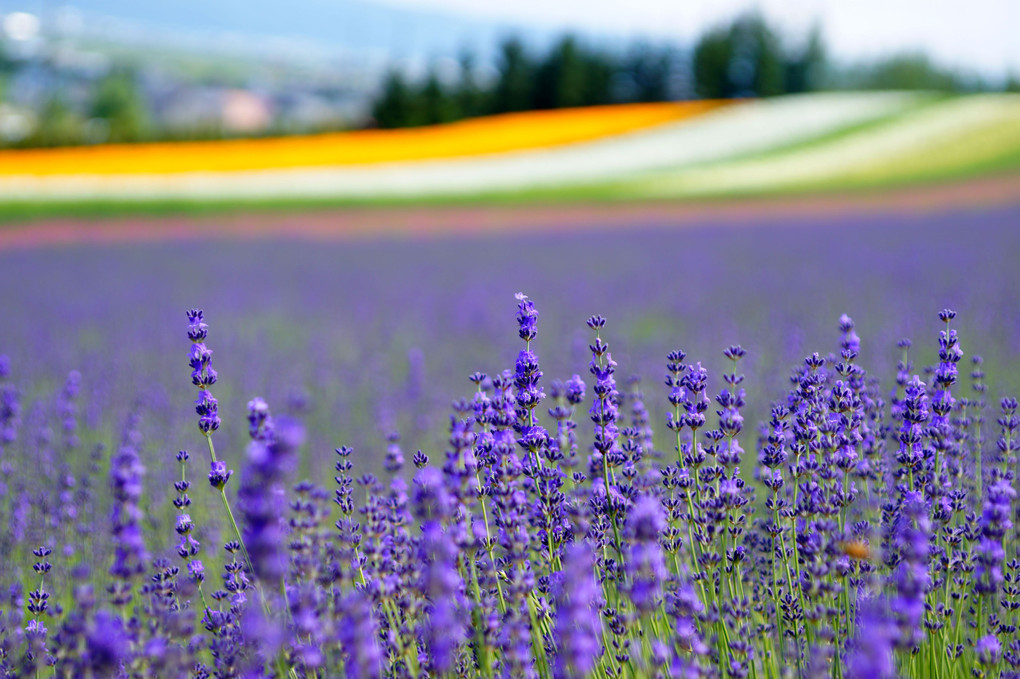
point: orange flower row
(479, 136)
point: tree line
(569, 74)
(744, 58)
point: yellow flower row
(479, 136)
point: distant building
(15, 123)
(232, 111)
(244, 112)
(187, 109)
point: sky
(976, 34)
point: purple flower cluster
(875, 538)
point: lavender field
(762, 448)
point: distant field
(323, 221)
(820, 142)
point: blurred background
(354, 191)
(96, 71)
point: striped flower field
(675, 150)
(480, 136)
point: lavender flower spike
(261, 499)
(442, 587)
(130, 557)
(203, 375)
(260, 422)
(646, 563)
(911, 577)
(358, 638)
(578, 628)
(871, 655)
(527, 317)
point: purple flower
(126, 471)
(915, 413)
(10, 408)
(67, 409)
(394, 455)
(207, 408)
(442, 587)
(264, 634)
(107, 645)
(575, 390)
(850, 341)
(988, 650)
(531, 436)
(684, 606)
(578, 601)
(995, 523)
(515, 635)
(911, 577)
(260, 423)
(219, 474)
(357, 636)
(432, 502)
(946, 372)
(261, 499)
(871, 653)
(527, 317)
(645, 563)
(202, 374)
(196, 571)
(1008, 442)
(605, 407)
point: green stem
(489, 546)
(226, 506)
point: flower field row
(528, 152)
(589, 526)
(508, 133)
(959, 133)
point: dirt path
(469, 220)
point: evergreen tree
(804, 71)
(58, 125)
(600, 72)
(118, 103)
(393, 108)
(756, 62)
(560, 78)
(437, 106)
(711, 65)
(469, 97)
(645, 74)
(513, 91)
(744, 60)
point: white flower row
(918, 132)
